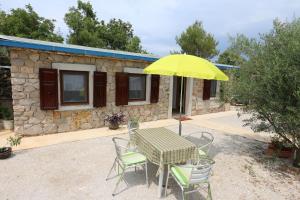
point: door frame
(188, 97)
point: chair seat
(132, 158)
(182, 174)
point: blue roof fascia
(81, 51)
(44, 47)
(226, 67)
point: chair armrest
(203, 146)
(200, 163)
(190, 134)
(184, 166)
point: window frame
(216, 89)
(61, 74)
(145, 91)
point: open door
(176, 95)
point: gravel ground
(77, 170)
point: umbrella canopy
(186, 66)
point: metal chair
(131, 144)
(202, 140)
(131, 133)
(125, 159)
(191, 177)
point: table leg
(160, 180)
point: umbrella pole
(180, 109)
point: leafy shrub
(5, 113)
(114, 118)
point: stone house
(58, 87)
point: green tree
(87, 30)
(120, 36)
(269, 80)
(4, 57)
(27, 23)
(196, 41)
(229, 57)
(134, 45)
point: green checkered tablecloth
(162, 146)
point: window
(74, 87)
(137, 87)
(213, 88)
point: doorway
(176, 95)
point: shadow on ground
(236, 144)
(243, 146)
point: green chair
(131, 143)
(191, 177)
(203, 141)
(125, 159)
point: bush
(269, 81)
(115, 118)
(5, 113)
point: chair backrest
(131, 132)
(208, 139)
(120, 149)
(201, 171)
(202, 140)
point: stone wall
(30, 120)
(201, 107)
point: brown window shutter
(121, 88)
(48, 89)
(100, 81)
(206, 89)
(154, 88)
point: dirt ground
(77, 170)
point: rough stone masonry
(30, 120)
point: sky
(158, 22)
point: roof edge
(25, 43)
(10, 41)
(226, 67)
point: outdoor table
(162, 146)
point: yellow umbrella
(185, 66)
